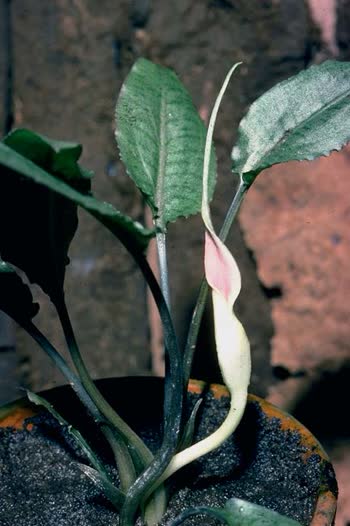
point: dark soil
(41, 484)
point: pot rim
(326, 504)
(14, 413)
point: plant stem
(84, 397)
(173, 395)
(163, 266)
(152, 467)
(173, 403)
(62, 365)
(203, 291)
(101, 403)
(233, 210)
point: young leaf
(161, 141)
(239, 512)
(301, 118)
(16, 299)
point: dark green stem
(173, 403)
(163, 266)
(173, 392)
(62, 365)
(203, 291)
(79, 389)
(233, 210)
(173, 395)
(137, 490)
(101, 403)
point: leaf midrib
(299, 125)
(161, 161)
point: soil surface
(42, 485)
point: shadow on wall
(324, 409)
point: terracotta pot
(65, 401)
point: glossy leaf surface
(301, 118)
(161, 141)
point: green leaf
(16, 299)
(57, 157)
(161, 140)
(238, 512)
(33, 235)
(40, 224)
(301, 118)
(250, 514)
